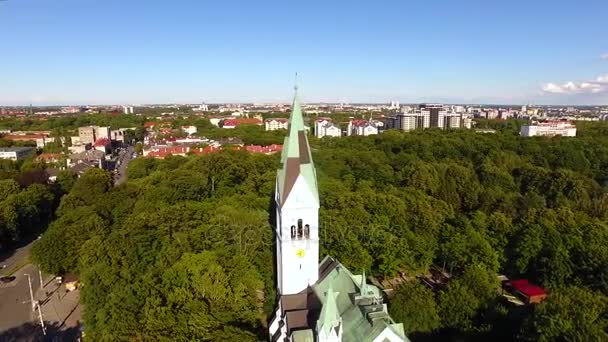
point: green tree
(59, 248)
(414, 305)
(8, 187)
(466, 298)
(569, 314)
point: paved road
(125, 158)
(15, 305)
(13, 258)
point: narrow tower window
(300, 229)
(306, 231)
(293, 232)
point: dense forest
(27, 201)
(183, 250)
(71, 122)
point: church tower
(297, 216)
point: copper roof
(296, 157)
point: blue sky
(133, 51)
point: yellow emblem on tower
(300, 253)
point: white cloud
(602, 79)
(599, 85)
(604, 56)
(553, 88)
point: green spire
(296, 124)
(296, 121)
(363, 287)
(296, 150)
(329, 317)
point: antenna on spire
(295, 83)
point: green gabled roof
(356, 326)
(329, 317)
(296, 157)
(303, 336)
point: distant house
(119, 135)
(189, 129)
(319, 124)
(15, 153)
(528, 292)
(93, 157)
(264, 149)
(104, 145)
(162, 152)
(41, 139)
(82, 167)
(275, 124)
(166, 131)
(325, 128)
(204, 150)
(363, 127)
(215, 120)
(50, 157)
(233, 123)
(230, 141)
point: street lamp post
(41, 320)
(29, 282)
(40, 277)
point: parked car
(7, 279)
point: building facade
(325, 128)
(86, 135)
(362, 127)
(15, 153)
(549, 129)
(90, 134)
(190, 129)
(275, 124)
(429, 116)
(406, 121)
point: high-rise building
(452, 121)
(458, 109)
(423, 119)
(406, 121)
(317, 301)
(427, 116)
(436, 113)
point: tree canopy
(160, 254)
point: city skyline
(72, 53)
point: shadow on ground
(9, 250)
(30, 332)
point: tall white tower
(297, 203)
